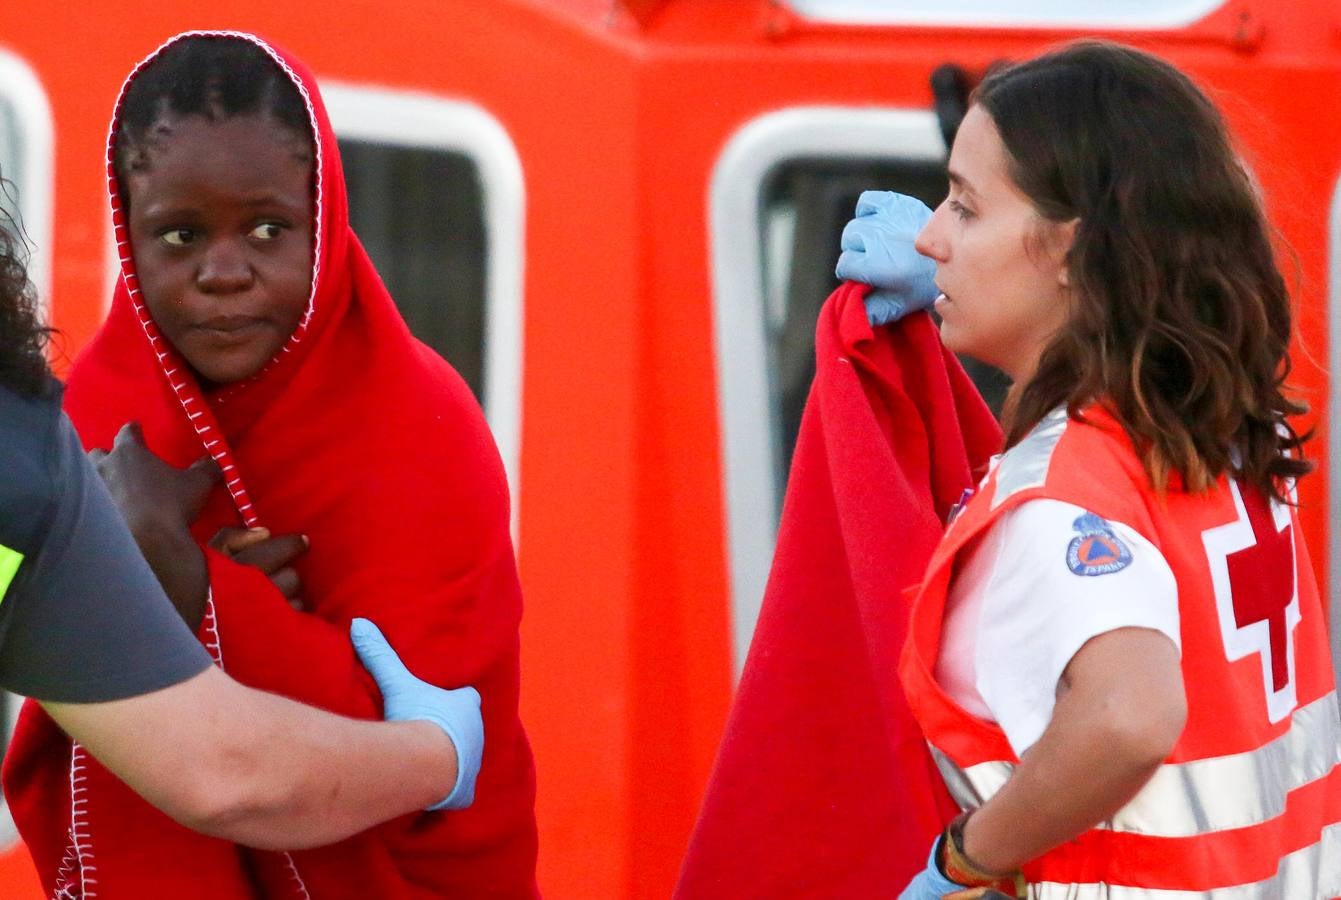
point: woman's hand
(159, 502)
(878, 250)
(273, 556)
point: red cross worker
(1118, 653)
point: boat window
(26, 165)
(26, 201)
(782, 189)
(1127, 14)
(806, 203)
(11, 157)
(419, 213)
(437, 198)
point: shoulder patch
(1098, 550)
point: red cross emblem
(1261, 578)
(1253, 571)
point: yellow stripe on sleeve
(9, 567)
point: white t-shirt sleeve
(1059, 577)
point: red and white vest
(1248, 805)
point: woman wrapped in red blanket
(357, 478)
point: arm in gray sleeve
(82, 619)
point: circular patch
(1098, 550)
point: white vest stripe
(1026, 465)
(1313, 873)
(1204, 795)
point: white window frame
(21, 90)
(1120, 14)
(745, 407)
(1334, 426)
(413, 119)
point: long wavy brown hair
(23, 337)
(1181, 319)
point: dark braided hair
(215, 77)
(23, 366)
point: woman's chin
(959, 343)
(214, 372)
(226, 358)
(953, 337)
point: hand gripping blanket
(823, 785)
(365, 440)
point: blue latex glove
(406, 698)
(878, 250)
(930, 884)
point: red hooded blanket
(823, 785)
(365, 440)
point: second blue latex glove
(878, 250)
(930, 884)
(406, 698)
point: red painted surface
(619, 113)
(17, 878)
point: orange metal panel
(626, 659)
(643, 10)
(18, 881)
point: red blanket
(365, 440)
(823, 785)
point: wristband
(956, 865)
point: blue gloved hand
(930, 884)
(878, 250)
(406, 698)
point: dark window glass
(804, 207)
(11, 161)
(419, 212)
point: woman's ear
(1063, 239)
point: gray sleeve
(84, 619)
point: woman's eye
(177, 237)
(960, 209)
(267, 231)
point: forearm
(1078, 774)
(301, 777)
(1119, 714)
(259, 769)
(177, 563)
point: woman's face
(1000, 265)
(221, 228)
